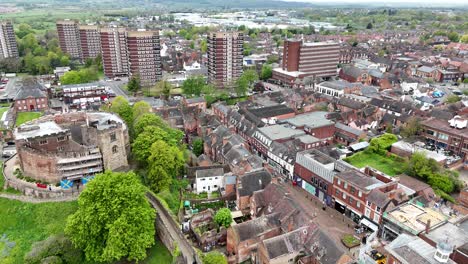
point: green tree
(134, 83)
(223, 217)
(453, 36)
(203, 46)
(193, 86)
(114, 220)
(267, 72)
(214, 257)
(58, 246)
(165, 163)
(165, 87)
(441, 182)
(148, 120)
(197, 147)
(464, 39)
(369, 25)
(411, 128)
(121, 107)
(151, 134)
(381, 144)
(452, 99)
(140, 108)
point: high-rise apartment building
(302, 59)
(225, 51)
(90, 41)
(144, 53)
(114, 52)
(8, 45)
(69, 38)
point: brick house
(348, 135)
(351, 190)
(31, 97)
(248, 184)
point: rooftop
(270, 111)
(456, 235)
(312, 119)
(359, 179)
(413, 218)
(412, 249)
(203, 173)
(277, 132)
(38, 130)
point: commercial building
(144, 56)
(90, 41)
(71, 146)
(314, 171)
(302, 59)
(69, 38)
(225, 53)
(450, 136)
(8, 45)
(77, 94)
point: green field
(385, 164)
(158, 254)
(26, 223)
(3, 110)
(24, 117)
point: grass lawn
(24, 117)
(385, 164)
(26, 223)
(3, 110)
(350, 241)
(158, 254)
(153, 91)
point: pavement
(31, 199)
(10, 89)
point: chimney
(428, 226)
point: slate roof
(352, 71)
(349, 129)
(30, 89)
(350, 103)
(378, 198)
(253, 181)
(255, 227)
(270, 111)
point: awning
(369, 224)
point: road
(10, 89)
(184, 246)
(117, 88)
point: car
(117, 79)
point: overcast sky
(384, 2)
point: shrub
(55, 249)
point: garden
(24, 117)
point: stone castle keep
(72, 145)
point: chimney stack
(428, 226)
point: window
(353, 190)
(368, 203)
(42, 142)
(345, 185)
(113, 137)
(360, 194)
(60, 148)
(351, 200)
(367, 212)
(62, 138)
(378, 209)
(344, 195)
(376, 218)
(358, 205)
(337, 192)
(114, 149)
(215, 186)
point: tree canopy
(214, 257)
(193, 86)
(134, 84)
(267, 72)
(223, 217)
(383, 143)
(245, 81)
(114, 220)
(197, 147)
(121, 107)
(85, 75)
(165, 162)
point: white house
(209, 180)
